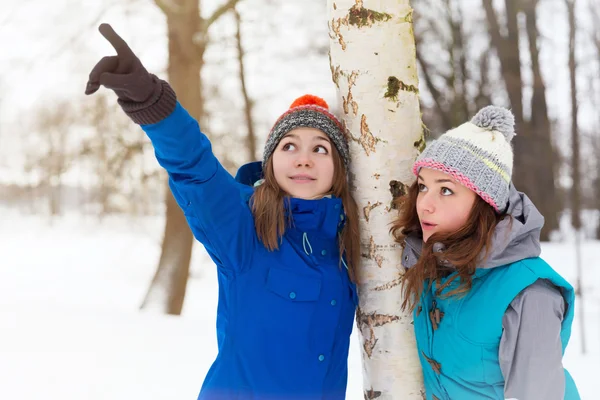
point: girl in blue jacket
(491, 318)
(285, 249)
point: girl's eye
(446, 192)
(288, 147)
(422, 187)
(321, 150)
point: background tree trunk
(534, 157)
(188, 33)
(373, 64)
(457, 91)
(594, 12)
(575, 158)
(540, 153)
(248, 104)
(575, 167)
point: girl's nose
(303, 160)
(427, 203)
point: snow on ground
(71, 328)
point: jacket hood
(248, 174)
(518, 237)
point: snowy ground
(71, 328)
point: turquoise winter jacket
(458, 338)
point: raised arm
(214, 204)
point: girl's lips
(301, 179)
(427, 226)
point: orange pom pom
(309, 99)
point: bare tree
(596, 180)
(539, 151)
(534, 134)
(373, 52)
(595, 39)
(94, 137)
(48, 157)
(188, 39)
(575, 165)
(575, 159)
(114, 151)
(248, 104)
(444, 47)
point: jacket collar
(324, 217)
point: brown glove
(145, 98)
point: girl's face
(303, 165)
(443, 205)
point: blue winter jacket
(285, 317)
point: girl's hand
(123, 73)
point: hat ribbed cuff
(308, 117)
(463, 180)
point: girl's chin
(306, 194)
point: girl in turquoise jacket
(285, 249)
(491, 318)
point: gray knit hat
(309, 111)
(478, 154)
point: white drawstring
(305, 242)
(344, 262)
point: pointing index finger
(114, 39)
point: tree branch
(494, 26)
(251, 138)
(435, 93)
(483, 98)
(595, 34)
(460, 44)
(507, 49)
(168, 7)
(218, 14)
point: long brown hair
(462, 249)
(268, 209)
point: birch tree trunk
(373, 64)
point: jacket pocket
(293, 286)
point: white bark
(373, 63)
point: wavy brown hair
(268, 209)
(462, 249)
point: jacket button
(323, 252)
(336, 206)
(292, 295)
(333, 302)
(321, 357)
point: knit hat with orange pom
(309, 111)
